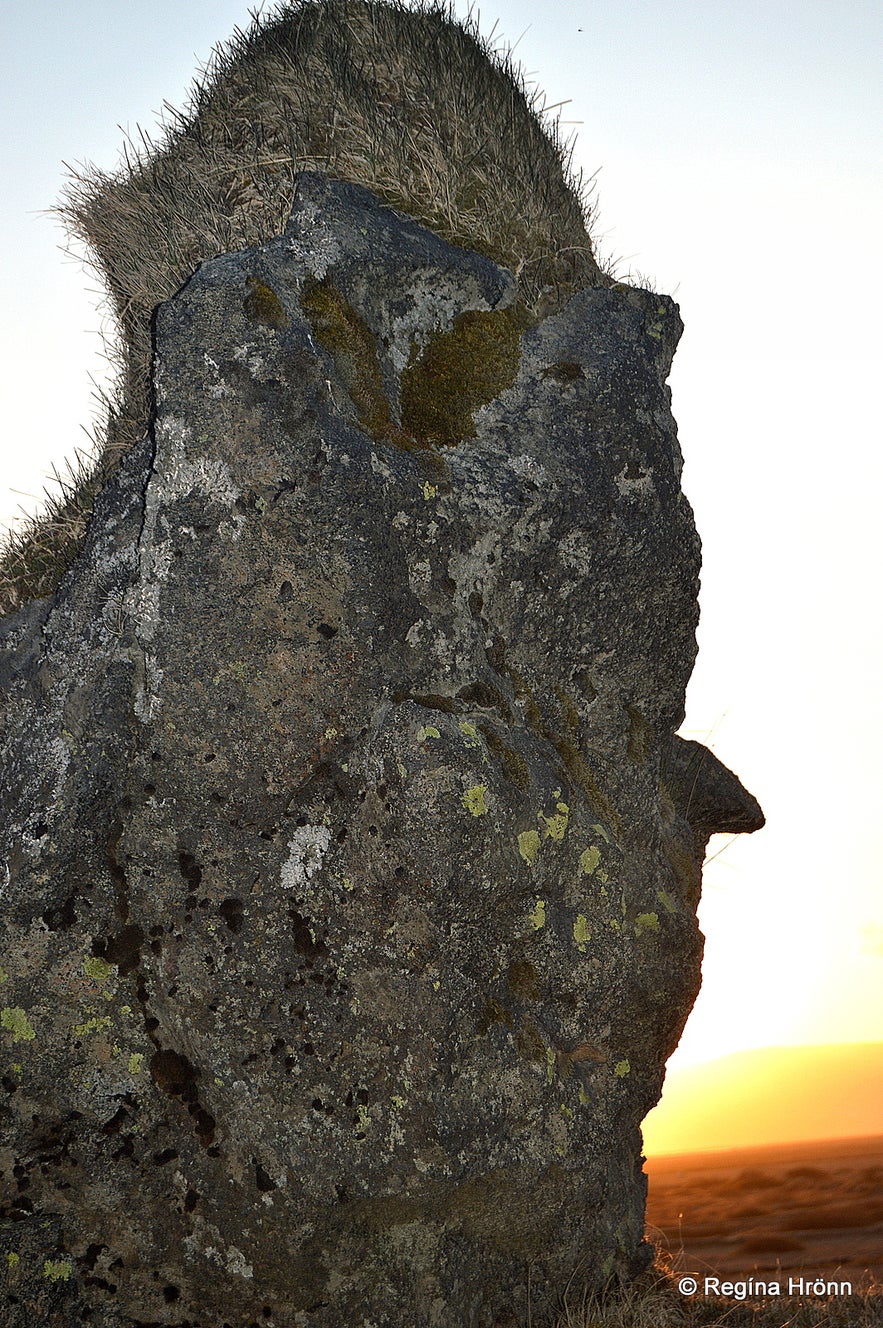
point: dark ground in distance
(786, 1210)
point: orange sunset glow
(770, 1095)
(769, 1163)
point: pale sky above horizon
(738, 149)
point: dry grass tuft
(407, 101)
(653, 1301)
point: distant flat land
(792, 1209)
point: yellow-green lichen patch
(470, 733)
(655, 330)
(135, 1063)
(98, 970)
(668, 902)
(529, 846)
(14, 1019)
(475, 799)
(429, 490)
(556, 825)
(582, 932)
(589, 860)
(57, 1270)
(97, 1024)
(12, 1260)
(427, 731)
(457, 372)
(646, 922)
(537, 915)
(621, 1069)
(599, 830)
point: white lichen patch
(147, 701)
(175, 477)
(637, 486)
(231, 1259)
(419, 574)
(307, 849)
(431, 310)
(316, 245)
(528, 468)
(250, 360)
(179, 476)
(216, 388)
(576, 552)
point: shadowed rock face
(349, 914)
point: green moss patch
(262, 305)
(459, 371)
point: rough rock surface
(350, 875)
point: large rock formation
(351, 862)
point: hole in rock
(231, 911)
(190, 869)
(62, 916)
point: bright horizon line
(693, 1064)
(771, 1146)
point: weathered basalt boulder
(348, 917)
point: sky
(736, 150)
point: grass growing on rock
(653, 1301)
(406, 100)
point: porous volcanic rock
(350, 880)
